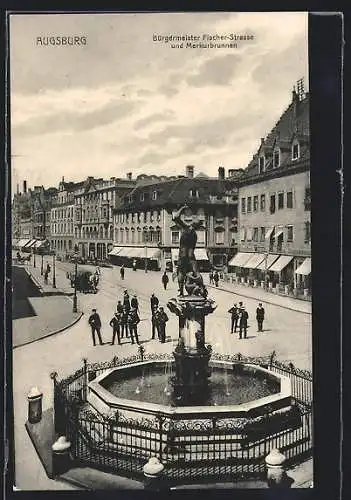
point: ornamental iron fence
(201, 449)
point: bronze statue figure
(186, 259)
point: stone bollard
(275, 468)
(286, 289)
(255, 283)
(35, 405)
(262, 284)
(61, 458)
(153, 474)
(270, 285)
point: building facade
(94, 202)
(144, 230)
(274, 205)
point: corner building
(274, 207)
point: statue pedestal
(191, 380)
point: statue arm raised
(177, 215)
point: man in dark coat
(133, 320)
(165, 280)
(211, 277)
(124, 323)
(162, 319)
(95, 324)
(235, 316)
(216, 278)
(153, 302)
(126, 303)
(115, 323)
(243, 323)
(119, 307)
(260, 317)
(134, 302)
(121, 272)
(154, 323)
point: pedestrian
(92, 283)
(243, 323)
(153, 302)
(165, 280)
(115, 323)
(134, 302)
(134, 265)
(124, 325)
(95, 324)
(234, 316)
(126, 302)
(133, 320)
(121, 272)
(211, 277)
(162, 319)
(260, 317)
(216, 278)
(154, 323)
(97, 271)
(46, 274)
(119, 307)
(48, 268)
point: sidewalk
(266, 297)
(63, 286)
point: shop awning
(31, 244)
(153, 253)
(269, 233)
(305, 267)
(23, 243)
(115, 251)
(240, 259)
(282, 262)
(254, 261)
(40, 243)
(271, 257)
(279, 233)
(201, 254)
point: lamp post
(54, 270)
(34, 252)
(42, 265)
(75, 278)
(146, 258)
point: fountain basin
(116, 389)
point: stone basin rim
(110, 401)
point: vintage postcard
(161, 250)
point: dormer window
(261, 164)
(194, 193)
(142, 197)
(154, 195)
(295, 152)
(276, 158)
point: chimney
(189, 171)
(17, 188)
(221, 172)
(24, 187)
(63, 179)
(262, 140)
(129, 176)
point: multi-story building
(95, 200)
(274, 205)
(62, 218)
(144, 229)
(21, 215)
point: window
(290, 233)
(142, 197)
(249, 234)
(243, 205)
(151, 216)
(276, 158)
(280, 201)
(261, 163)
(144, 216)
(295, 151)
(194, 193)
(272, 205)
(262, 233)
(255, 203)
(133, 216)
(307, 200)
(249, 204)
(243, 234)
(263, 202)
(175, 237)
(307, 232)
(154, 195)
(219, 237)
(289, 199)
(255, 234)
(158, 216)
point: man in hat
(165, 280)
(133, 320)
(234, 312)
(115, 323)
(134, 302)
(162, 319)
(119, 307)
(154, 323)
(121, 272)
(153, 302)
(95, 324)
(126, 302)
(243, 323)
(260, 317)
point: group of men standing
(158, 319)
(239, 317)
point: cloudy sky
(124, 103)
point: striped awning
(240, 259)
(23, 243)
(200, 254)
(282, 262)
(268, 234)
(305, 267)
(115, 251)
(266, 263)
(254, 261)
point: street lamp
(42, 265)
(54, 270)
(75, 278)
(146, 258)
(34, 252)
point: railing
(191, 449)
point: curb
(52, 333)
(261, 300)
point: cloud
(156, 117)
(218, 71)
